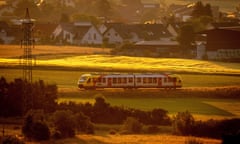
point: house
(223, 44)
(159, 48)
(43, 31)
(77, 34)
(87, 35)
(120, 33)
(5, 33)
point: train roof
(130, 75)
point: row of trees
(19, 96)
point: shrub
(192, 140)
(183, 123)
(153, 129)
(11, 140)
(132, 125)
(40, 131)
(84, 124)
(34, 128)
(65, 123)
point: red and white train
(93, 81)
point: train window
(130, 80)
(139, 80)
(144, 80)
(114, 80)
(150, 80)
(154, 80)
(124, 80)
(165, 79)
(174, 79)
(169, 79)
(119, 80)
(104, 80)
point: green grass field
(69, 78)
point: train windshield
(83, 79)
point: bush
(193, 141)
(84, 124)
(132, 125)
(183, 123)
(11, 140)
(153, 129)
(35, 129)
(40, 131)
(65, 123)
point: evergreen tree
(201, 10)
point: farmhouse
(77, 34)
(119, 33)
(223, 43)
(160, 48)
(5, 33)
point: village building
(80, 33)
(221, 44)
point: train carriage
(93, 81)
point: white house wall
(92, 37)
(68, 36)
(113, 36)
(57, 31)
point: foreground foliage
(19, 96)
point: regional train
(129, 81)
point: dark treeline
(19, 96)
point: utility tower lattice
(27, 44)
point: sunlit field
(136, 64)
(62, 65)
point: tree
(83, 17)
(65, 123)
(132, 126)
(34, 127)
(186, 39)
(64, 18)
(103, 8)
(201, 10)
(183, 123)
(31, 5)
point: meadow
(202, 82)
(63, 66)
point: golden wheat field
(89, 58)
